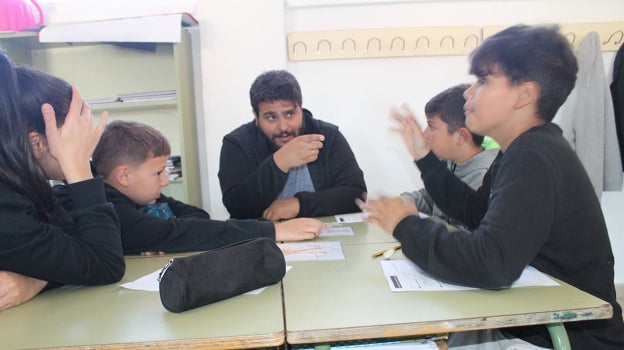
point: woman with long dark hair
(47, 132)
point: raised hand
(410, 131)
(299, 151)
(387, 212)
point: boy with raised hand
(536, 206)
(132, 159)
(449, 139)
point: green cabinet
(111, 76)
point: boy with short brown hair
(451, 141)
(132, 158)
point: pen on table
(382, 252)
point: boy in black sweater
(536, 205)
(132, 158)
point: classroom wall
(240, 39)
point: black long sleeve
(87, 253)
(190, 230)
(542, 211)
(453, 196)
(249, 184)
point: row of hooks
(376, 44)
(424, 41)
(614, 36)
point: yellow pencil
(381, 252)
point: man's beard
(274, 138)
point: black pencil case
(193, 281)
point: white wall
(240, 39)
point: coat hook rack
(401, 40)
(450, 38)
(616, 42)
(299, 43)
(425, 41)
(344, 44)
(571, 37)
(318, 46)
(476, 40)
(373, 39)
(418, 41)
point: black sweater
(536, 207)
(86, 251)
(190, 230)
(250, 180)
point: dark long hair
(19, 169)
(38, 88)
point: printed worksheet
(312, 251)
(405, 276)
(351, 218)
(361, 217)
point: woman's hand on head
(73, 143)
(298, 229)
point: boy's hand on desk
(387, 212)
(298, 229)
(16, 289)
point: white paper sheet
(351, 218)
(337, 230)
(312, 251)
(360, 217)
(405, 276)
(148, 282)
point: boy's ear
(38, 144)
(464, 135)
(528, 93)
(121, 174)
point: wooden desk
(329, 301)
(114, 317)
